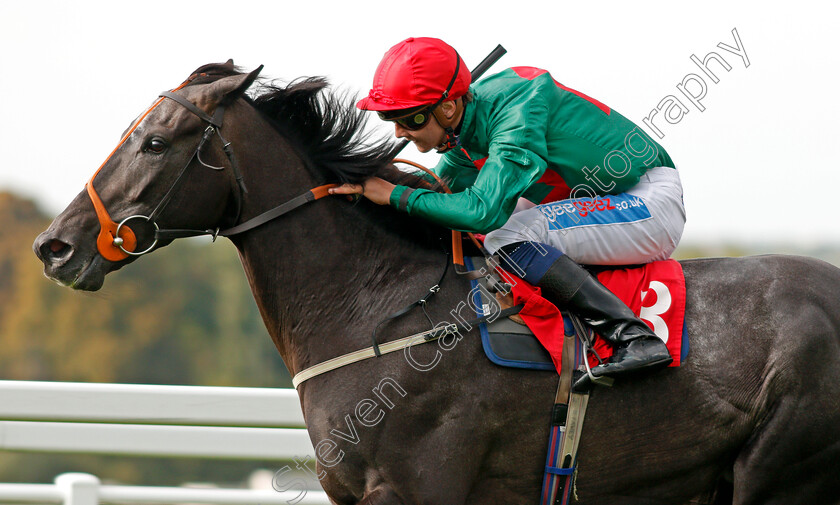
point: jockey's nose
(399, 131)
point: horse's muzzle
(66, 264)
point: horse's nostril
(56, 246)
(55, 250)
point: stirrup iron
(583, 335)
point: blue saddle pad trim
(485, 334)
(493, 357)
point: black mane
(325, 127)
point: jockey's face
(432, 135)
(425, 139)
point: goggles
(411, 119)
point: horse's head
(169, 154)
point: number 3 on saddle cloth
(655, 292)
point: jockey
(553, 177)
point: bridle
(117, 241)
(214, 125)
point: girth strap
(566, 423)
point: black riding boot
(568, 285)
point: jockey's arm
(484, 206)
(517, 153)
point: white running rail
(150, 420)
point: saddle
(656, 292)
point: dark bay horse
(752, 417)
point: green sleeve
(516, 159)
(457, 170)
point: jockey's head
(418, 79)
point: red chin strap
(449, 143)
(451, 140)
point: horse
(752, 417)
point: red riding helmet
(416, 72)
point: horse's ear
(230, 88)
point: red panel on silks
(655, 292)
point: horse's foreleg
(381, 496)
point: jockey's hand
(374, 189)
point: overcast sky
(758, 163)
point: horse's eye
(156, 146)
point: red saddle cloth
(655, 292)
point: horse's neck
(323, 274)
(322, 280)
